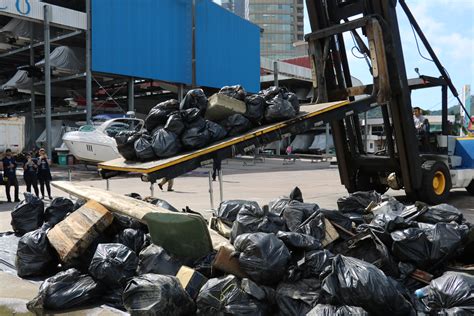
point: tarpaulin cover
(72, 59)
(301, 143)
(20, 80)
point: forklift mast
(376, 21)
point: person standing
(9, 174)
(164, 181)
(30, 174)
(44, 173)
(216, 167)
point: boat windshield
(87, 128)
(123, 125)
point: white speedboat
(97, 143)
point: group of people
(35, 169)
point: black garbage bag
(277, 206)
(298, 298)
(65, 290)
(452, 290)
(295, 103)
(132, 238)
(354, 282)
(78, 204)
(162, 203)
(144, 148)
(367, 246)
(204, 266)
(310, 265)
(270, 92)
(441, 213)
(262, 256)
(446, 241)
(236, 124)
(228, 210)
(165, 144)
(196, 136)
(340, 219)
(358, 201)
(175, 124)
(297, 212)
(154, 259)
(134, 195)
(113, 298)
(158, 115)
(216, 131)
(226, 296)
(412, 245)
(126, 144)
(296, 195)
(57, 210)
(314, 226)
(236, 92)
(28, 214)
(191, 116)
(278, 109)
(297, 241)
(251, 219)
(34, 255)
(194, 99)
(331, 310)
(255, 108)
(122, 222)
(113, 264)
(154, 294)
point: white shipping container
(12, 134)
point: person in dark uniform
(30, 174)
(9, 174)
(44, 173)
(216, 167)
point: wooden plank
(72, 236)
(125, 205)
(331, 233)
(307, 111)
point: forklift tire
(436, 182)
(470, 188)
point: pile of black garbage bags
(372, 256)
(173, 127)
(387, 258)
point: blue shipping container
(145, 39)
(227, 48)
(153, 40)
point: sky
(449, 27)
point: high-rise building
(236, 6)
(282, 22)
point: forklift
(427, 165)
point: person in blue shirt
(44, 173)
(30, 173)
(9, 174)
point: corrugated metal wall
(153, 39)
(146, 39)
(227, 48)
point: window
(371, 146)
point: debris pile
(173, 127)
(372, 256)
